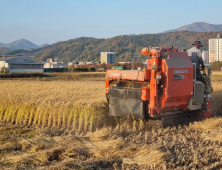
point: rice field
(74, 105)
(218, 73)
(65, 125)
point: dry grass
(75, 73)
(217, 98)
(82, 152)
(75, 105)
(190, 147)
(52, 93)
(74, 76)
(64, 125)
(217, 73)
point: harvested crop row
(189, 147)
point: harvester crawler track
(175, 120)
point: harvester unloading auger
(167, 90)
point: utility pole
(132, 61)
(3, 54)
(4, 59)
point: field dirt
(197, 146)
(65, 125)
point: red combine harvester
(166, 90)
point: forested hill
(125, 46)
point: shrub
(4, 70)
(216, 65)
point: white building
(205, 56)
(82, 63)
(123, 62)
(20, 64)
(73, 63)
(89, 62)
(85, 62)
(215, 49)
(108, 57)
(53, 64)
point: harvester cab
(166, 90)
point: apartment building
(108, 57)
(215, 49)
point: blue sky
(50, 21)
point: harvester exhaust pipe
(155, 64)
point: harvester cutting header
(166, 89)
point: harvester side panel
(177, 73)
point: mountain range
(21, 44)
(199, 27)
(124, 46)
(196, 27)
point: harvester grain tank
(166, 90)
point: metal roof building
(21, 64)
